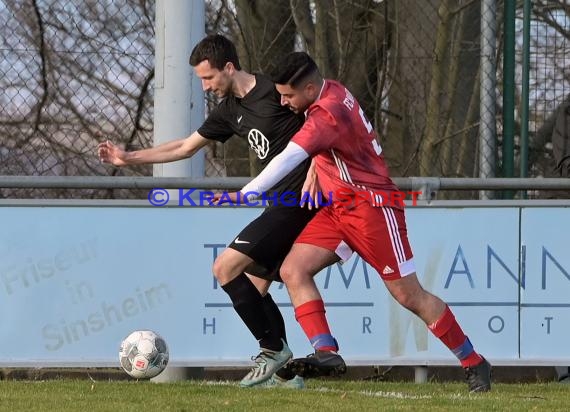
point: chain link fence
(71, 72)
(549, 99)
(72, 69)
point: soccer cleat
(276, 382)
(320, 363)
(479, 377)
(266, 364)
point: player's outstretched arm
(167, 152)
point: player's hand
(311, 189)
(111, 153)
(226, 197)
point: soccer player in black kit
(251, 109)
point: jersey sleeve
(217, 126)
(279, 167)
(319, 131)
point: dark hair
(294, 68)
(217, 49)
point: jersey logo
(387, 270)
(258, 142)
(239, 119)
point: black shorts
(268, 238)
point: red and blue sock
(311, 317)
(449, 332)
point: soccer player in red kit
(349, 161)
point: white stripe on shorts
(394, 234)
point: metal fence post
(488, 128)
(525, 92)
(509, 91)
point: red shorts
(377, 234)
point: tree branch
(303, 20)
(43, 70)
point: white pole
(178, 95)
(178, 103)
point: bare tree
(71, 69)
(84, 68)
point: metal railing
(428, 186)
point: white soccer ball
(143, 354)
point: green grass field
(320, 395)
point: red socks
(311, 317)
(449, 332)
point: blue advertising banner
(74, 281)
(545, 283)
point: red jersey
(343, 143)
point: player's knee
(409, 299)
(220, 270)
(285, 273)
(291, 274)
(228, 266)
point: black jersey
(268, 127)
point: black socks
(275, 317)
(247, 302)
